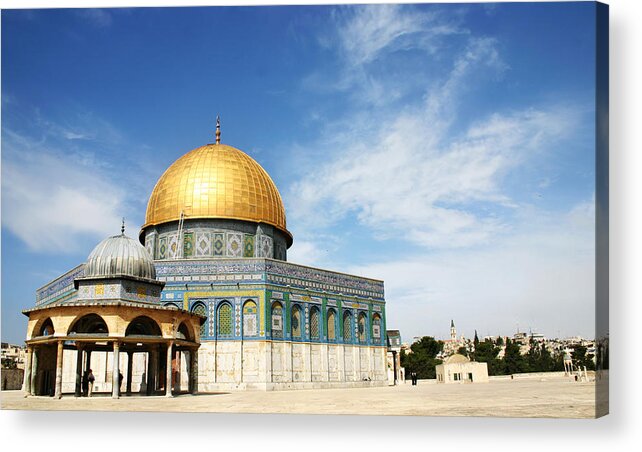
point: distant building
(12, 353)
(459, 369)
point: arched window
(224, 320)
(347, 326)
(249, 319)
(314, 323)
(47, 328)
(90, 324)
(143, 326)
(361, 326)
(277, 320)
(296, 322)
(332, 325)
(376, 328)
(199, 308)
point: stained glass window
(249, 319)
(331, 325)
(277, 320)
(199, 308)
(296, 321)
(361, 325)
(225, 320)
(347, 327)
(314, 323)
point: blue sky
(447, 149)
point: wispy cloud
(51, 203)
(58, 194)
(410, 169)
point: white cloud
(541, 277)
(100, 18)
(51, 201)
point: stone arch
(46, 328)
(347, 326)
(362, 329)
(315, 323)
(184, 332)
(277, 319)
(250, 319)
(89, 324)
(199, 308)
(143, 326)
(332, 324)
(296, 322)
(173, 305)
(224, 320)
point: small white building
(459, 369)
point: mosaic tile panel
(218, 244)
(150, 239)
(234, 246)
(188, 244)
(172, 246)
(265, 246)
(202, 244)
(248, 245)
(162, 248)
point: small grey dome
(120, 255)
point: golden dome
(216, 181)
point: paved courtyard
(554, 397)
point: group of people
(88, 383)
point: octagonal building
(216, 230)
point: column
(78, 392)
(130, 364)
(168, 379)
(193, 372)
(58, 393)
(26, 384)
(152, 370)
(115, 383)
(34, 371)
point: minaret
(453, 331)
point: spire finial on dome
(218, 129)
(122, 227)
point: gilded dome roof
(216, 181)
(117, 256)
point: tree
(476, 340)
(486, 352)
(581, 358)
(423, 360)
(513, 360)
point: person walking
(90, 379)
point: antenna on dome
(218, 129)
(122, 227)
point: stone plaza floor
(554, 397)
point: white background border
(143, 432)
